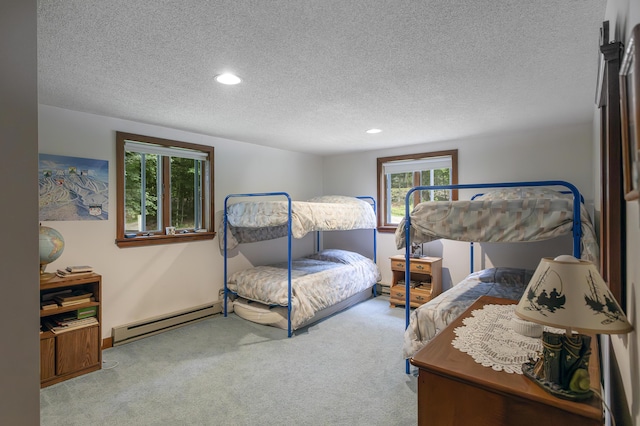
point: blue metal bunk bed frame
(289, 253)
(577, 232)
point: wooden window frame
(145, 239)
(382, 190)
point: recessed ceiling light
(228, 78)
(373, 131)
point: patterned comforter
(318, 281)
(429, 319)
(264, 220)
(509, 215)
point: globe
(51, 247)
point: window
(165, 191)
(397, 175)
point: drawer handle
(419, 298)
(399, 294)
(419, 267)
(400, 265)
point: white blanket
(318, 281)
(429, 319)
(262, 220)
(510, 215)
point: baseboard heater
(148, 327)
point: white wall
(562, 153)
(623, 15)
(20, 349)
(142, 282)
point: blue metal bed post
(289, 264)
(407, 266)
(471, 248)
(224, 250)
(375, 231)
(375, 244)
(375, 234)
(577, 230)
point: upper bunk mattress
(251, 221)
(526, 214)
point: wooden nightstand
(455, 390)
(425, 271)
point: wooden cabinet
(426, 280)
(71, 353)
(455, 390)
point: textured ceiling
(318, 73)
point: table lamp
(568, 293)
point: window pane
(137, 201)
(399, 185)
(442, 177)
(425, 180)
(185, 193)
(152, 193)
(133, 191)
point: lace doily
(488, 338)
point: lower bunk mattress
(321, 284)
(429, 319)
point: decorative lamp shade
(569, 293)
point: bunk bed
(297, 292)
(508, 212)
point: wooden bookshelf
(75, 352)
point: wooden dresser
(425, 271)
(454, 390)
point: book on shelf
(74, 295)
(79, 269)
(49, 304)
(63, 273)
(423, 285)
(68, 321)
(59, 326)
(51, 295)
(87, 311)
(76, 302)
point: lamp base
(528, 369)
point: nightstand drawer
(418, 295)
(416, 266)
